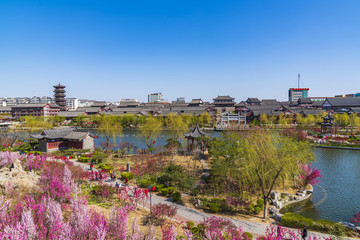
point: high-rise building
(296, 93)
(59, 95)
(72, 103)
(155, 97)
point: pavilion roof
(195, 132)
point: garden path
(185, 214)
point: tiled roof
(224, 98)
(61, 133)
(269, 102)
(253, 100)
(195, 132)
(344, 101)
(35, 105)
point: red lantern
(146, 191)
(153, 188)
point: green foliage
(260, 203)
(98, 157)
(127, 175)
(146, 183)
(257, 210)
(247, 235)
(159, 187)
(106, 167)
(194, 192)
(214, 207)
(296, 221)
(83, 159)
(164, 191)
(175, 175)
(190, 224)
(325, 226)
(171, 190)
(176, 196)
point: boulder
(275, 195)
(18, 177)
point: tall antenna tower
(298, 80)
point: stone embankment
(279, 201)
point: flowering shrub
(56, 181)
(161, 210)
(355, 219)
(7, 158)
(309, 175)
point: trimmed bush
(145, 183)
(257, 210)
(214, 207)
(164, 191)
(247, 235)
(159, 187)
(127, 175)
(83, 159)
(329, 227)
(171, 190)
(296, 221)
(176, 196)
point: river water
(338, 194)
(334, 198)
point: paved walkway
(188, 214)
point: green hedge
(164, 191)
(127, 175)
(325, 226)
(83, 159)
(159, 187)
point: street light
(152, 188)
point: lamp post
(152, 188)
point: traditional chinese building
(224, 104)
(327, 126)
(64, 138)
(35, 109)
(194, 139)
(59, 96)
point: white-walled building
(72, 103)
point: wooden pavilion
(327, 126)
(194, 139)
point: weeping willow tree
(267, 156)
(109, 127)
(150, 130)
(256, 162)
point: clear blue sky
(107, 50)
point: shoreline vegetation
(179, 174)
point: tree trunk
(265, 207)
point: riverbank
(335, 147)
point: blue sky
(107, 50)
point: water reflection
(338, 193)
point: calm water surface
(334, 198)
(338, 194)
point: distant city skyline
(109, 50)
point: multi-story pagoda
(59, 95)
